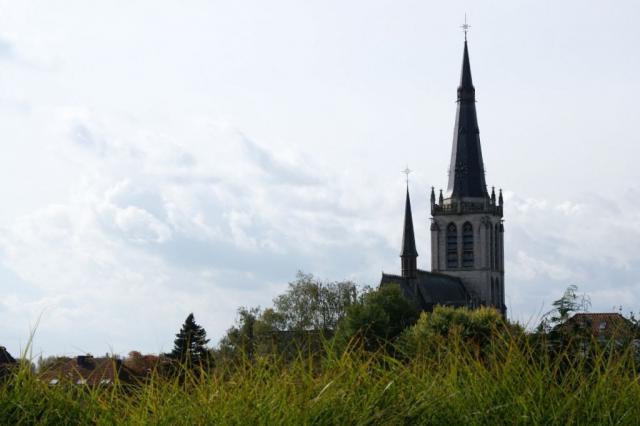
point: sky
(160, 157)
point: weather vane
(406, 172)
(465, 27)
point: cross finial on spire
(406, 171)
(465, 27)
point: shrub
(378, 319)
(475, 327)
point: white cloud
(147, 173)
(156, 228)
(161, 223)
(587, 241)
(526, 268)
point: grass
(508, 382)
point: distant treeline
(326, 353)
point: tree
(477, 327)
(145, 365)
(190, 343)
(380, 317)
(569, 303)
(240, 339)
(302, 317)
(310, 304)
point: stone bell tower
(466, 225)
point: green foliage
(190, 343)
(240, 340)
(458, 366)
(475, 327)
(310, 304)
(306, 313)
(635, 324)
(378, 319)
(569, 303)
(514, 384)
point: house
(87, 370)
(7, 362)
(603, 326)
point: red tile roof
(601, 323)
(88, 370)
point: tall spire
(409, 253)
(466, 171)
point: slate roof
(7, 362)
(5, 356)
(429, 289)
(408, 237)
(466, 171)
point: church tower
(466, 224)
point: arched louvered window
(491, 253)
(496, 248)
(467, 245)
(452, 246)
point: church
(467, 234)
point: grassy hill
(506, 381)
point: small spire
(493, 195)
(441, 198)
(433, 196)
(408, 237)
(409, 254)
(500, 201)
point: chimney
(85, 361)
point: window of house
(452, 246)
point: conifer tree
(190, 343)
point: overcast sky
(160, 158)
